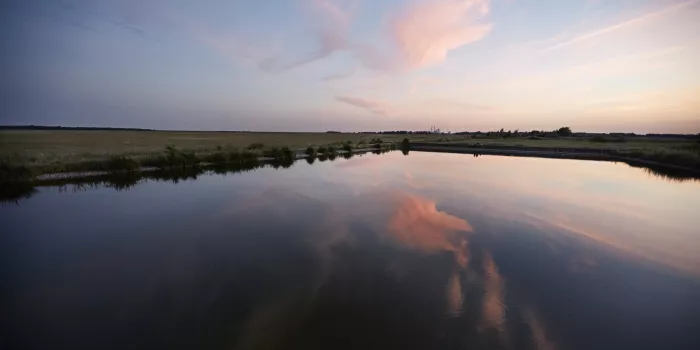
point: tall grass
(171, 157)
(280, 154)
(256, 145)
(688, 158)
(11, 171)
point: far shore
(539, 152)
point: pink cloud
(417, 36)
(375, 107)
(426, 31)
(417, 223)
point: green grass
(632, 143)
(673, 151)
(32, 147)
(27, 153)
(15, 191)
(680, 157)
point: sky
(353, 65)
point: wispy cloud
(332, 25)
(87, 12)
(417, 36)
(635, 21)
(457, 104)
(338, 76)
(375, 107)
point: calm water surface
(426, 251)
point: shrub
(281, 154)
(216, 157)
(347, 148)
(271, 153)
(116, 163)
(234, 156)
(331, 150)
(287, 154)
(256, 145)
(247, 155)
(175, 157)
(310, 151)
(14, 172)
(322, 150)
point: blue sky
(298, 65)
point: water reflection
(493, 308)
(418, 224)
(372, 252)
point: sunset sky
(353, 65)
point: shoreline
(76, 175)
(126, 164)
(552, 153)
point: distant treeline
(564, 131)
(50, 127)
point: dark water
(426, 251)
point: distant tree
(565, 131)
(509, 133)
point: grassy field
(26, 153)
(42, 147)
(677, 151)
(635, 143)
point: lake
(425, 251)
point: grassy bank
(36, 147)
(25, 154)
(28, 153)
(13, 192)
(679, 153)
